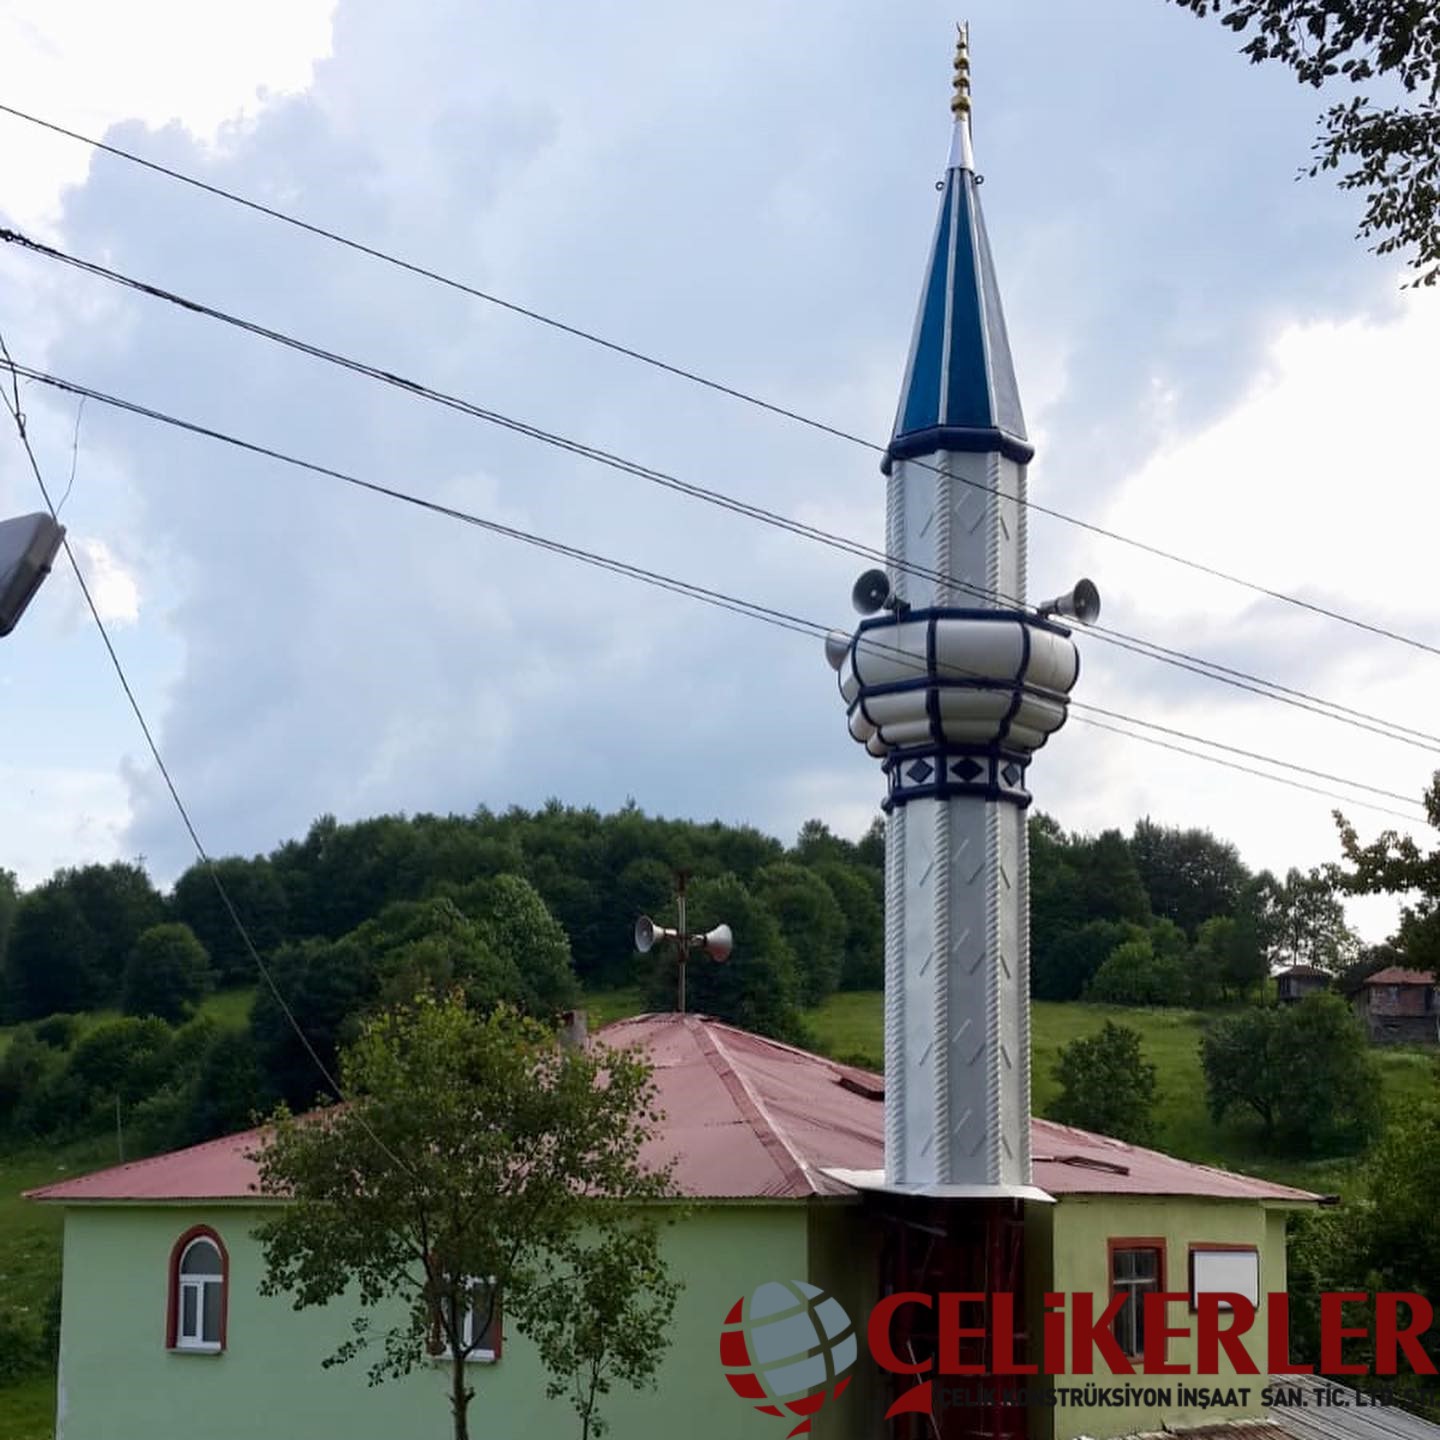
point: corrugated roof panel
(745, 1117)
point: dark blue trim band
(970, 440)
(958, 612)
(941, 772)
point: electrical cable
(694, 377)
(17, 414)
(1212, 670)
(811, 629)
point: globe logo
(785, 1348)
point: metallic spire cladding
(960, 391)
(953, 683)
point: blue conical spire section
(960, 391)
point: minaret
(954, 684)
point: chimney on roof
(573, 1029)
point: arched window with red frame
(199, 1298)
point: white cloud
(1309, 485)
(52, 817)
(113, 587)
(87, 63)
(692, 188)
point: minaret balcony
(949, 697)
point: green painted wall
(1079, 1228)
(118, 1382)
(844, 1260)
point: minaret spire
(962, 156)
(953, 683)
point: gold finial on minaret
(960, 101)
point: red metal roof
(746, 1118)
(1396, 975)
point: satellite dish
(718, 943)
(28, 546)
(870, 592)
(1082, 603)
(837, 647)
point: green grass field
(851, 1025)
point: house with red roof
(165, 1334)
(1398, 1007)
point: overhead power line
(811, 629)
(1207, 669)
(12, 405)
(695, 377)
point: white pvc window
(480, 1322)
(200, 1297)
(1230, 1270)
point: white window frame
(198, 1283)
(475, 1357)
(1213, 1269)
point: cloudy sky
(1209, 360)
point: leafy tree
(1056, 906)
(1308, 925)
(816, 843)
(595, 1325)
(9, 899)
(1370, 959)
(58, 1031)
(1385, 1238)
(1188, 875)
(1228, 958)
(1110, 882)
(756, 988)
(1395, 865)
(1064, 966)
(474, 1146)
(127, 1057)
(494, 939)
(259, 899)
(326, 984)
(870, 848)
(72, 936)
(860, 894)
(53, 958)
(214, 1087)
(24, 1068)
(1133, 974)
(520, 929)
(168, 974)
(228, 1091)
(1107, 1085)
(1303, 1070)
(1390, 152)
(119, 904)
(811, 921)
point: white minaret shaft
(954, 689)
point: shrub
(1107, 1085)
(1135, 975)
(22, 1347)
(168, 974)
(60, 1032)
(1304, 1071)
